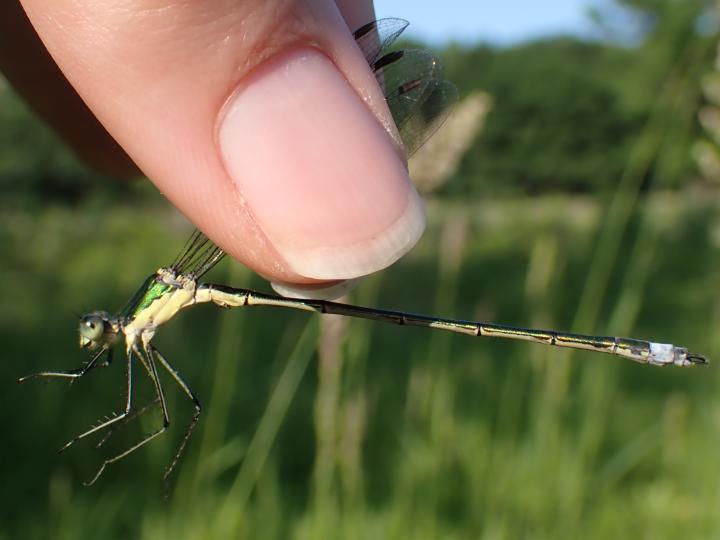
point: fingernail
(316, 169)
(323, 292)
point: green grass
(318, 428)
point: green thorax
(152, 289)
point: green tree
(557, 123)
(567, 112)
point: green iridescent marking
(156, 290)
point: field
(325, 428)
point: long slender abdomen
(645, 352)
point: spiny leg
(135, 414)
(106, 363)
(166, 418)
(75, 373)
(108, 422)
(193, 422)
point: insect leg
(106, 422)
(152, 371)
(193, 422)
(75, 373)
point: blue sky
(496, 21)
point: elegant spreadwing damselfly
(419, 99)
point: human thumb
(259, 120)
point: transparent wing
(417, 95)
(197, 257)
(376, 36)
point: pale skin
(287, 190)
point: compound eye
(92, 327)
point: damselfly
(419, 100)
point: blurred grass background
(578, 206)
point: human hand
(259, 120)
